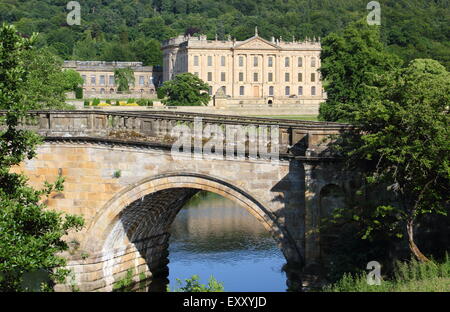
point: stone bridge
(122, 177)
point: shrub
(95, 102)
(193, 285)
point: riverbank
(410, 276)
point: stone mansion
(99, 81)
(250, 72)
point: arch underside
(131, 231)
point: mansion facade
(99, 79)
(254, 71)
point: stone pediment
(256, 43)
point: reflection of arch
(109, 215)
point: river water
(212, 235)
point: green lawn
(292, 117)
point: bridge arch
(131, 230)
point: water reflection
(214, 236)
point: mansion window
(93, 80)
(300, 77)
(210, 90)
(255, 61)
(102, 80)
(286, 62)
(286, 77)
(241, 76)
(255, 77)
(209, 60)
(287, 91)
(241, 61)
(313, 90)
(241, 90)
(141, 80)
(270, 78)
(209, 76)
(222, 76)
(195, 60)
(270, 62)
(313, 77)
(313, 62)
(84, 78)
(111, 80)
(222, 61)
(300, 62)
(300, 90)
(271, 90)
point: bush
(131, 101)
(193, 285)
(95, 102)
(108, 101)
(86, 103)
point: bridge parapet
(295, 138)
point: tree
(404, 127)
(72, 80)
(351, 62)
(124, 77)
(185, 90)
(148, 51)
(46, 82)
(31, 235)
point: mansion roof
(106, 66)
(254, 43)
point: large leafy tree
(31, 236)
(351, 61)
(406, 135)
(184, 90)
(404, 140)
(46, 83)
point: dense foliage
(351, 62)
(404, 138)
(133, 29)
(184, 90)
(31, 236)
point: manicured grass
(408, 276)
(292, 117)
